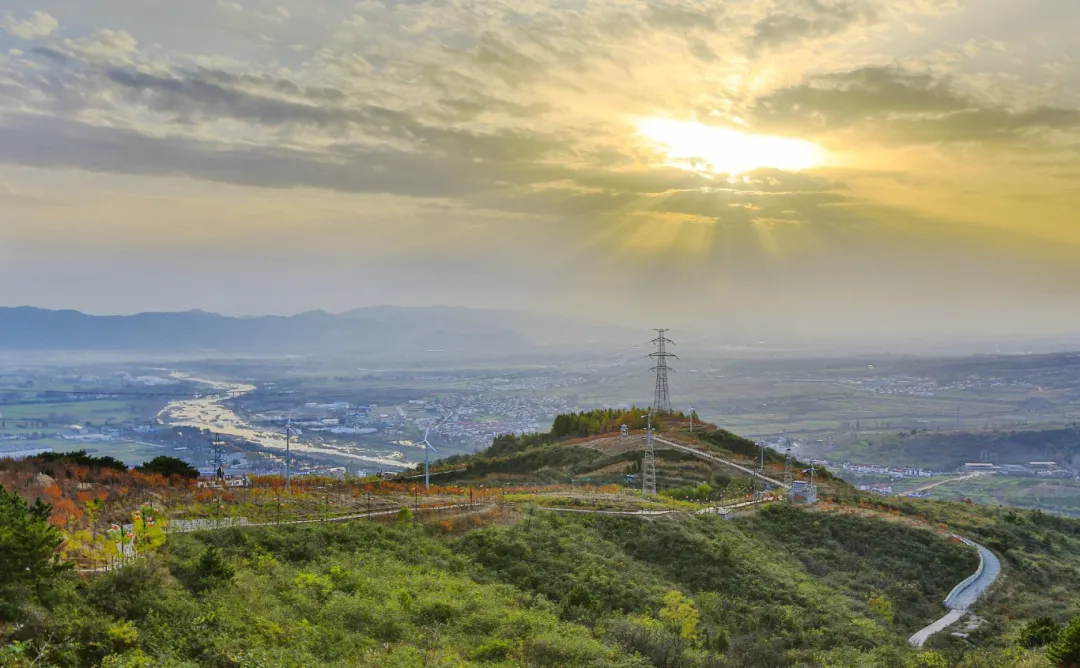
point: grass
(130, 453)
(1052, 494)
(843, 584)
(62, 414)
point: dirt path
(932, 485)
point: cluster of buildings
(478, 418)
(893, 472)
(926, 387)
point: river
(208, 412)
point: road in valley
(932, 485)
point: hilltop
(589, 448)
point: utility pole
(288, 459)
(788, 477)
(661, 399)
(691, 419)
(427, 478)
(648, 463)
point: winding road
(963, 595)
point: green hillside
(535, 580)
(784, 587)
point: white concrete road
(964, 595)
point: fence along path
(188, 526)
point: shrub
(1065, 652)
(495, 649)
(1040, 632)
(168, 467)
(211, 571)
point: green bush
(1040, 632)
(28, 562)
(1065, 651)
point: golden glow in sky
(701, 147)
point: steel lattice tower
(648, 463)
(218, 446)
(661, 399)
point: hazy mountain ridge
(396, 329)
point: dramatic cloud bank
(258, 156)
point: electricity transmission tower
(661, 400)
(788, 477)
(648, 464)
(218, 446)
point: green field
(61, 414)
(1052, 494)
(131, 454)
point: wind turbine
(288, 457)
(427, 447)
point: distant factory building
(979, 466)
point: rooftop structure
(801, 492)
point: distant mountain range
(387, 328)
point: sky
(855, 169)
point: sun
(698, 147)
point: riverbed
(208, 412)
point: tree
(881, 607)
(29, 560)
(680, 615)
(168, 467)
(211, 571)
(1065, 652)
(80, 458)
(1040, 632)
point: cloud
(811, 19)
(902, 106)
(38, 24)
(507, 109)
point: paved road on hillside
(964, 595)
